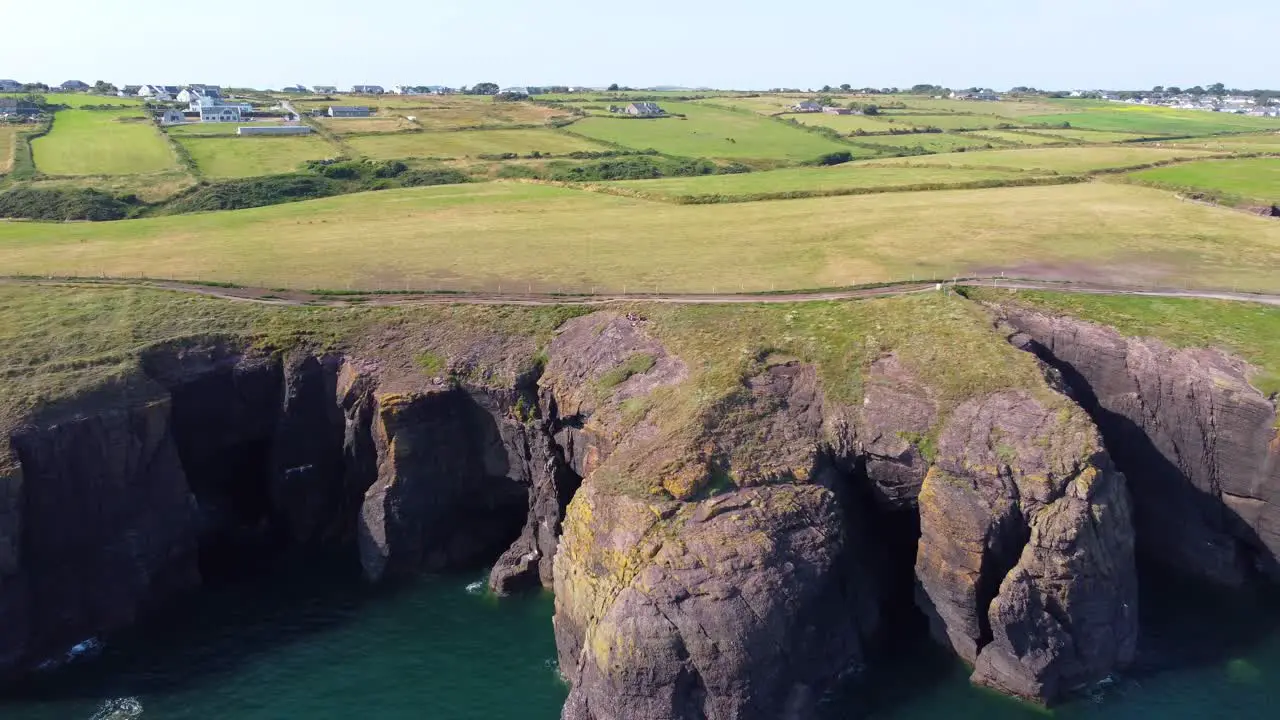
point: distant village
(202, 103)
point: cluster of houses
(1238, 104)
(639, 109)
(812, 106)
(17, 110)
(982, 95)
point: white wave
(476, 588)
(119, 709)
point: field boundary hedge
(24, 159)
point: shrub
(499, 156)
(512, 172)
(254, 192)
(440, 176)
(36, 203)
(390, 169)
(835, 158)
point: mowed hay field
(931, 142)
(88, 142)
(238, 157)
(469, 143)
(848, 177)
(381, 123)
(1253, 178)
(1067, 160)
(447, 112)
(1087, 136)
(523, 236)
(1017, 138)
(711, 132)
(949, 122)
(843, 123)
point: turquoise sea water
(315, 649)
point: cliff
(1196, 439)
(733, 504)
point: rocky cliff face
(754, 534)
(1198, 443)
(727, 553)
(228, 458)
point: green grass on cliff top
(58, 343)
(1249, 330)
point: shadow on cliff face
(902, 659)
(282, 479)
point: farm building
(221, 113)
(832, 110)
(324, 89)
(14, 106)
(644, 109)
(806, 106)
(274, 130)
(73, 86)
(172, 117)
(367, 89)
(348, 111)
(10, 86)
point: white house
(807, 106)
(514, 92)
(644, 109)
(367, 89)
(155, 92)
(324, 89)
(220, 113)
(404, 90)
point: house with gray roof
(10, 86)
(324, 89)
(17, 107)
(644, 109)
(807, 106)
(367, 89)
(221, 113)
(348, 111)
(74, 86)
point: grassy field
(379, 124)
(522, 236)
(1066, 160)
(1262, 143)
(933, 142)
(1088, 136)
(8, 145)
(1157, 121)
(1018, 138)
(816, 180)
(1255, 179)
(468, 143)
(712, 133)
(1249, 330)
(238, 157)
(86, 142)
(764, 104)
(949, 122)
(844, 123)
(78, 100)
(1005, 108)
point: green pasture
(238, 157)
(1157, 121)
(87, 142)
(931, 142)
(1018, 138)
(847, 124)
(710, 132)
(1256, 179)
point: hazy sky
(745, 44)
